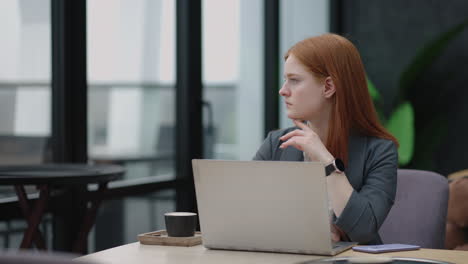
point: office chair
(21, 150)
(165, 144)
(419, 213)
(166, 139)
(24, 150)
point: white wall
(10, 26)
(25, 56)
(25, 40)
(220, 41)
(132, 41)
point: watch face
(339, 164)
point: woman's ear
(330, 88)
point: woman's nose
(284, 91)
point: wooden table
(137, 253)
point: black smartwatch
(337, 165)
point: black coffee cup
(180, 224)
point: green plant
(414, 121)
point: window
(25, 96)
(233, 77)
(131, 78)
(25, 68)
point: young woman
(326, 96)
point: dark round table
(50, 176)
(59, 174)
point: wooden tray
(160, 238)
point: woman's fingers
(335, 233)
(335, 237)
(294, 141)
(293, 133)
(296, 132)
(301, 125)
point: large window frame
(69, 107)
(70, 93)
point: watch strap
(336, 165)
(329, 169)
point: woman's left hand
(308, 141)
(335, 233)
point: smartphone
(385, 248)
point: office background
(100, 81)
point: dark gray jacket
(371, 170)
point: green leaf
(424, 58)
(401, 125)
(372, 90)
(376, 99)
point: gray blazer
(371, 170)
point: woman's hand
(308, 141)
(335, 233)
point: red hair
(352, 110)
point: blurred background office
(148, 76)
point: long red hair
(335, 56)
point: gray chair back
(166, 140)
(419, 213)
(24, 150)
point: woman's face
(303, 93)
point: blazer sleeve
(367, 208)
(265, 151)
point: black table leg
(69, 209)
(33, 216)
(89, 220)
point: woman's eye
(293, 80)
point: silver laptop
(264, 206)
